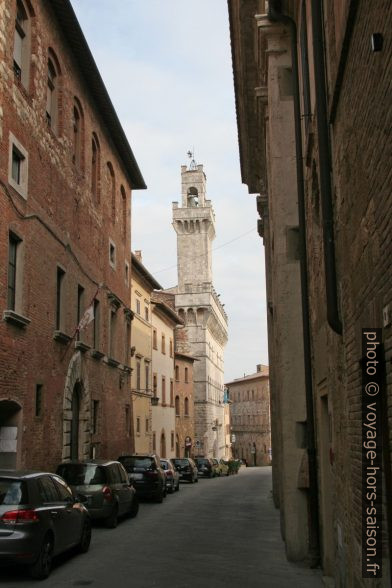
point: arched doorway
(10, 413)
(163, 445)
(75, 410)
(177, 447)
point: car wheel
(41, 568)
(196, 480)
(134, 508)
(111, 521)
(85, 539)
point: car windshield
(12, 492)
(133, 463)
(181, 462)
(82, 474)
(201, 461)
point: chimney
(259, 367)
(138, 255)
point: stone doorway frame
(76, 376)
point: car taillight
(107, 493)
(169, 474)
(151, 473)
(13, 517)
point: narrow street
(222, 532)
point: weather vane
(191, 155)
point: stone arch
(10, 426)
(178, 446)
(191, 319)
(197, 222)
(76, 412)
(192, 197)
(181, 314)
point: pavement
(219, 533)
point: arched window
(193, 197)
(186, 406)
(95, 167)
(177, 404)
(77, 133)
(111, 187)
(22, 44)
(124, 211)
(52, 93)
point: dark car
(205, 467)
(146, 475)
(39, 518)
(186, 468)
(104, 488)
(172, 476)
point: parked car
(104, 488)
(187, 469)
(216, 467)
(146, 474)
(205, 467)
(224, 468)
(172, 476)
(39, 518)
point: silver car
(172, 476)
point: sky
(167, 67)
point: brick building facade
(250, 417)
(184, 402)
(311, 82)
(66, 176)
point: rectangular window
(154, 339)
(126, 272)
(138, 425)
(112, 333)
(163, 390)
(154, 443)
(172, 440)
(146, 425)
(138, 367)
(171, 393)
(186, 375)
(59, 298)
(94, 416)
(13, 244)
(38, 400)
(163, 345)
(171, 347)
(127, 421)
(137, 306)
(177, 373)
(146, 314)
(96, 325)
(154, 384)
(17, 162)
(147, 368)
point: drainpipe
(325, 167)
(275, 15)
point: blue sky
(167, 67)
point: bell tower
(201, 309)
(194, 223)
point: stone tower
(199, 306)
